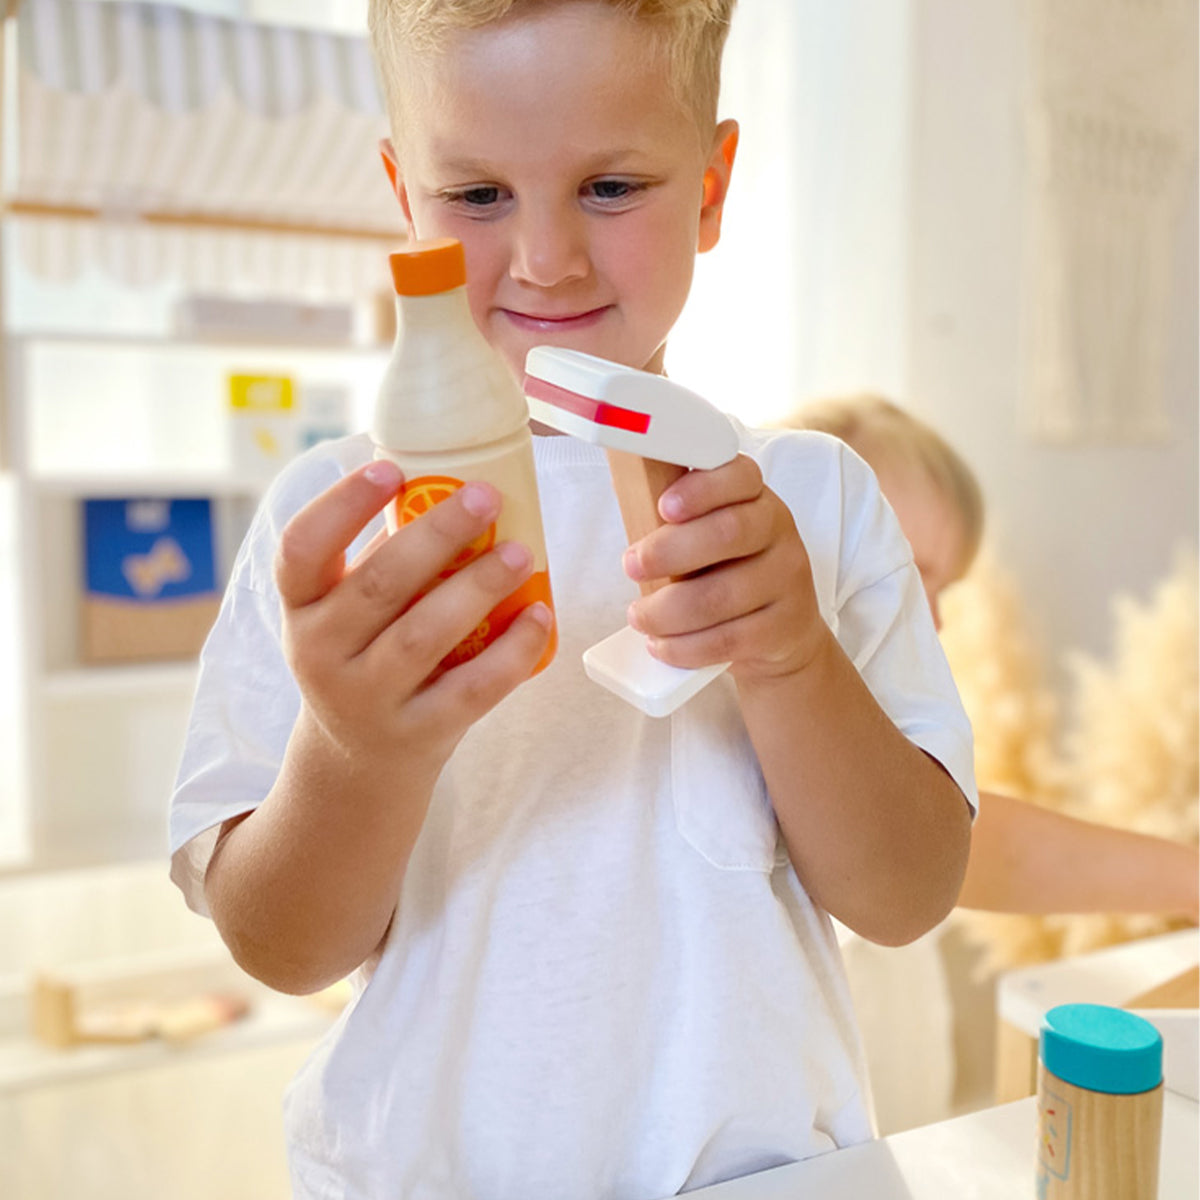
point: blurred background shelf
(136, 680)
(98, 483)
(120, 417)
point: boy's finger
(752, 643)
(698, 492)
(731, 532)
(418, 639)
(464, 694)
(402, 567)
(725, 641)
(380, 536)
(310, 559)
(690, 605)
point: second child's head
(572, 146)
(935, 495)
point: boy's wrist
(368, 770)
(806, 662)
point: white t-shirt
(603, 978)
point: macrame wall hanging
(1111, 128)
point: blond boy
(591, 949)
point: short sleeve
(870, 593)
(245, 705)
(887, 631)
(246, 700)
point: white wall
(874, 239)
(1078, 524)
(805, 294)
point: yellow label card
(261, 393)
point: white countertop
(1114, 975)
(26, 1064)
(988, 1155)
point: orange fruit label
(420, 495)
(415, 500)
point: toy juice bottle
(1100, 1105)
(449, 412)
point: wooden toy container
(1100, 1100)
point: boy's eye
(480, 197)
(610, 190)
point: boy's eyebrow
(474, 168)
(464, 166)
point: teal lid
(1101, 1049)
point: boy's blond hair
(691, 35)
(883, 434)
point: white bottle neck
(439, 313)
(444, 386)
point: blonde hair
(691, 34)
(884, 433)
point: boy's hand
(742, 589)
(365, 651)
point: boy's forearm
(877, 831)
(303, 888)
(1029, 859)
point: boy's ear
(716, 184)
(391, 164)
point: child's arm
(877, 831)
(303, 887)
(1029, 859)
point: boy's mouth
(556, 322)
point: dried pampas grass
(1127, 755)
(998, 667)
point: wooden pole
(195, 220)
(639, 482)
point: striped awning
(152, 139)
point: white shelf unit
(96, 417)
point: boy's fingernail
(516, 556)
(671, 506)
(479, 499)
(384, 473)
(631, 618)
(632, 564)
(541, 614)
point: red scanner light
(596, 411)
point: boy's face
(552, 147)
(932, 526)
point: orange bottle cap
(425, 268)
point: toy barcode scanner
(653, 431)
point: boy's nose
(549, 249)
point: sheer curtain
(806, 293)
